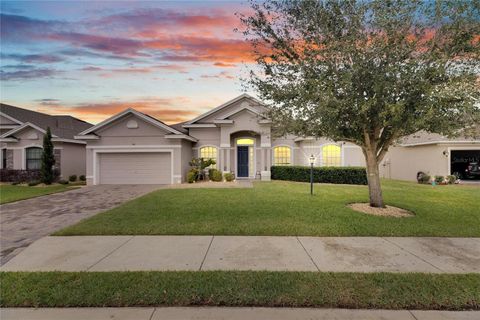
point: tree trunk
(373, 176)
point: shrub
(83, 178)
(340, 175)
(228, 176)
(20, 176)
(451, 179)
(15, 183)
(439, 179)
(215, 175)
(192, 175)
(62, 181)
(33, 183)
(423, 178)
(72, 178)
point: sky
(92, 59)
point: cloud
(31, 74)
(169, 110)
(223, 74)
(224, 65)
(33, 58)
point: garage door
(135, 168)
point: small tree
(48, 158)
(200, 164)
(367, 72)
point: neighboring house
(134, 148)
(21, 140)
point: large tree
(367, 72)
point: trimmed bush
(228, 176)
(33, 183)
(72, 178)
(451, 179)
(192, 175)
(339, 175)
(62, 181)
(439, 179)
(83, 178)
(215, 175)
(423, 178)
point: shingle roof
(62, 126)
(423, 137)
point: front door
(242, 161)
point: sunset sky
(172, 60)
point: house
(21, 140)
(134, 148)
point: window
(245, 142)
(209, 153)
(4, 158)
(281, 156)
(34, 158)
(331, 155)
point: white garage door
(135, 168)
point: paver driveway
(25, 221)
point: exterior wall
(187, 155)
(72, 159)
(352, 156)
(232, 109)
(147, 137)
(403, 163)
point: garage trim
(132, 149)
(449, 157)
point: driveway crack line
(205, 257)
(153, 312)
(413, 254)
(410, 311)
(121, 245)
(304, 249)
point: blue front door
(242, 161)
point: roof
(224, 105)
(179, 127)
(141, 115)
(61, 126)
(423, 138)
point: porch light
(312, 162)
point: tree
(199, 165)
(367, 72)
(48, 159)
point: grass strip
(247, 288)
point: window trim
(282, 146)
(25, 159)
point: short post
(312, 161)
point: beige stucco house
(134, 148)
(21, 140)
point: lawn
(286, 208)
(247, 288)
(10, 193)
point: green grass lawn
(247, 288)
(10, 193)
(286, 208)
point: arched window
(209, 153)
(281, 156)
(331, 155)
(33, 158)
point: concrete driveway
(23, 222)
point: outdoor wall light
(311, 159)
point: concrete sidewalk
(215, 313)
(336, 254)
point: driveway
(23, 222)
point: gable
(130, 125)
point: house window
(281, 156)
(4, 158)
(331, 155)
(34, 158)
(209, 153)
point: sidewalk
(335, 254)
(214, 313)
